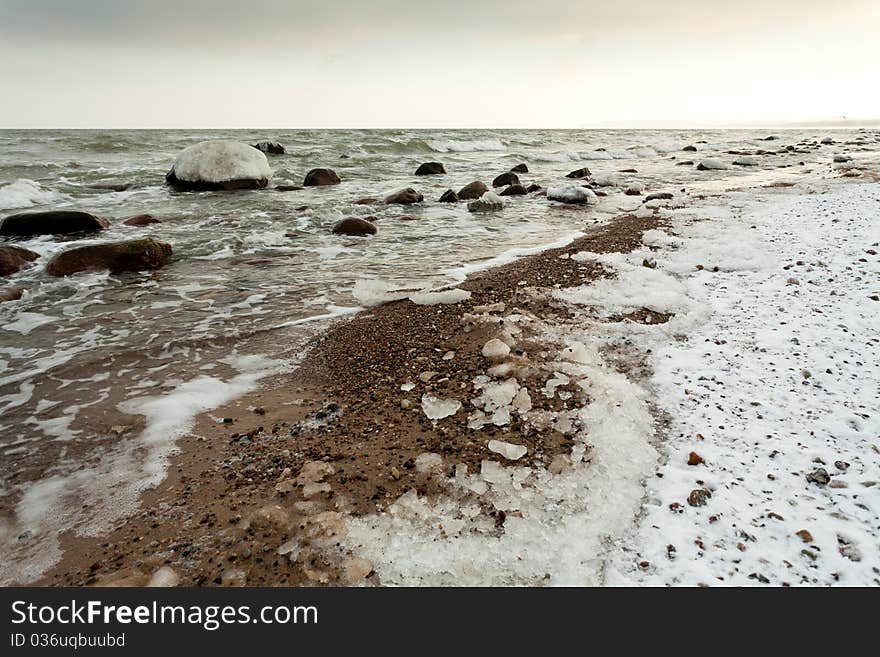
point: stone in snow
(507, 450)
(436, 408)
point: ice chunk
(436, 408)
(164, 577)
(494, 473)
(507, 450)
(711, 164)
(428, 462)
(440, 297)
(495, 349)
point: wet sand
(258, 491)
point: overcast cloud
(109, 63)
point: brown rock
(658, 196)
(141, 220)
(430, 169)
(520, 168)
(449, 196)
(533, 188)
(804, 535)
(366, 201)
(354, 226)
(111, 187)
(472, 191)
(10, 293)
(699, 497)
(288, 188)
(406, 196)
(579, 173)
(57, 222)
(319, 177)
(133, 255)
(514, 190)
(695, 459)
(505, 179)
(14, 259)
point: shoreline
(346, 409)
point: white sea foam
(24, 193)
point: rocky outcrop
(515, 190)
(505, 179)
(13, 259)
(406, 196)
(219, 165)
(321, 177)
(520, 168)
(270, 147)
(354, 226)
(583, 172)
(449, 196)
(142, 220)
(430, 169)
(58, 222)
(117, 257)
(472, 191)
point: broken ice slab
(509, 451)
(436, 408)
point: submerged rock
(141, 220)
(10, 293)
(219, 165)
(288, 188)
(449, 196)
(270, 147)
(534, 187)
(659, 196)
(472, 191)
(354, 226)
(520, 168)
(712, 165)
(133, 255)
(571, 194)
(583, 172)
(57, 222)
(111, 187)
(406, 196)
(14, 258)
(430, 169)
(488, 202)
(505, 179)
(321, 177)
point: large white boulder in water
(571, 193)
(221, 164)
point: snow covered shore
(777, 395)
(748, 325)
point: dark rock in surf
(321, 177)
(366, 201)
(505, 179)
(13, 259)
(472, 191)
(514, 190)
(533, 188)
(449, 196)
(692, 149)
(288, 188)
(269, 147)
(57, 222)
(685, 163)
(658, 196)
(117, 257)
(579, 173)
(520, 168)
(406, 196)
(142, 220)
(430, 169)
(111, 187)
(10, 293)
(354, 226)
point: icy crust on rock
(221, 161)
(571, 193)
(775, 394)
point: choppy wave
(25, 193)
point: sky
(443, 63)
